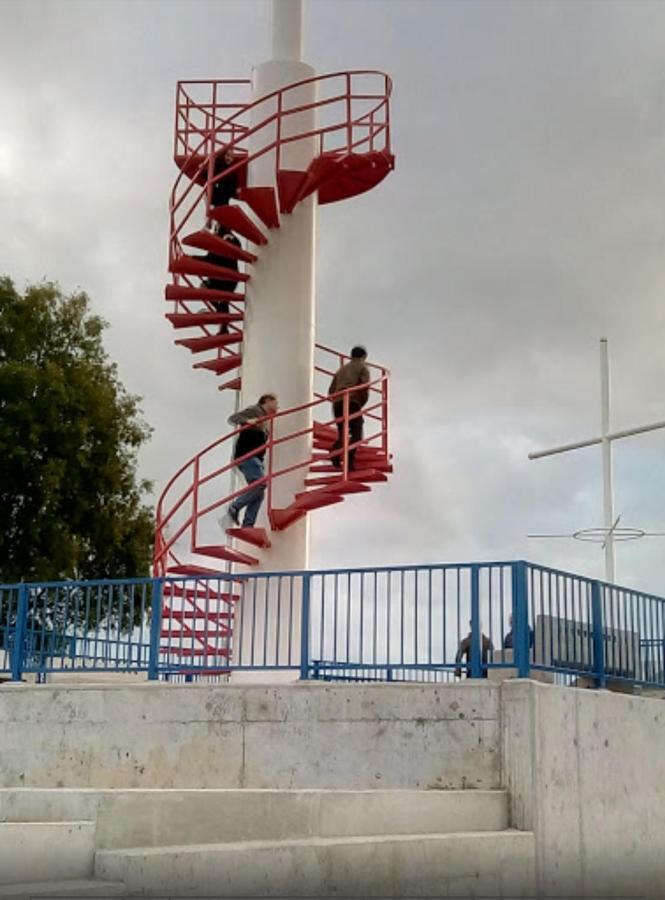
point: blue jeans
(252, 499)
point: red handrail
(163, 544)
(200, 129)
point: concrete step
(154, 818)
(498, 864)
(78, 888)
(39, 851)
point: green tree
(71, 505)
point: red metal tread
(194, 570)
(339, 486)
(263, 202)
(221, 551)
(180, 615)
(356, 173)
(317, 499)
(175, 590)
(195, 265)
(378, 467)
(361, 454)
(289, 183)
(186, 292)
(213, 243)
(196, 633)
(258, 537)
(209, 342)
(324, 432)
(220, 364)
(234, 385)
(320, 170)
(281, 519)
(236, 219)
(367, 477)
(205, 317)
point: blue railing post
(521, 655)
(476, 665)
(155, 628)
(597, 630)
(304, 626)
(18, 655)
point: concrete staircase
(266, 843)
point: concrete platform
(154, 818)
(487, 864)
(78, 888)
(36, 851)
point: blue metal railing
(428, 623)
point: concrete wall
(586, 772)
(300, 736)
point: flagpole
(606, 444)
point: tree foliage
(71, 505)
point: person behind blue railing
(251, 440)
(352, 374)
(508, 638)
(464, 650)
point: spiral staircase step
(237, 220)
(213, 243)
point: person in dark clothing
(218, 284)
(252, 439)
(464, 651)
(508, 637)
(224, 189)
(352, 374)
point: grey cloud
(525, 219)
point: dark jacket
(217, 284)
(353, 373)
(225, 189)
(253, 437)
(464, 651)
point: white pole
(287, 30)
(278, 344)
(608, 492)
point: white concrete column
(278, 346)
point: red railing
(354, 117)
(207, 119)
(199, 488)
(234, 131)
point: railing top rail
(289, 573)
(214, 445)
(587, 579)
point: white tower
(279, 314)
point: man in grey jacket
(250, 450)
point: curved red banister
(354, 155)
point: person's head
(269, 403)
(227, 155)
(359, 352)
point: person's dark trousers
(355, 432)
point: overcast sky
(525, 219)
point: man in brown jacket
(352, 374)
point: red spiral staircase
(353, 155)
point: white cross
(605, 440)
